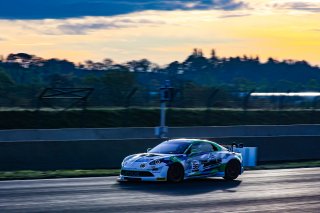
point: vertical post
(163, 114)
(163, 131)
(166, 95)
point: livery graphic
(180, 159)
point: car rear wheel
(175, 173)
(232, 170)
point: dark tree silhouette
(29, 73)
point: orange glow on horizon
(170, 36)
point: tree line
(196, 79)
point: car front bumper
(122, 178)
(134, 175)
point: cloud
(85, 25)
(234, 15)
(84, 28)
(61, 9)
(296, 5)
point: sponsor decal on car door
(203, 159)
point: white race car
(179, 159)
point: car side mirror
(149, 149)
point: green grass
(286, 165)
(29, 174)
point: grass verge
(286, 165)
(30, 174)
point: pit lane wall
(93, 153)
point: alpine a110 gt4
(179, 159)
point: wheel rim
(232, 171)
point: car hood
(148, 157)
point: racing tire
(232, 170)
(175, 173)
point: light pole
(166, 95)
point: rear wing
(234, 147)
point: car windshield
(170, 147)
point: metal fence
(214, 98)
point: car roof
(180, 140)
(194, 140)
(190, 140)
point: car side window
(195, 148)
(201, 147)
(207, 147)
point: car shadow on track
(187, 187)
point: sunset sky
(160, 30)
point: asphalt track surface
(285, 190)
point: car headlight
(155, 162)
(126, 159)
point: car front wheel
(175, 173)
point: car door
(198, 158)
(214, 159)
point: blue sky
(42, 9)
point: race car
(179, 159)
